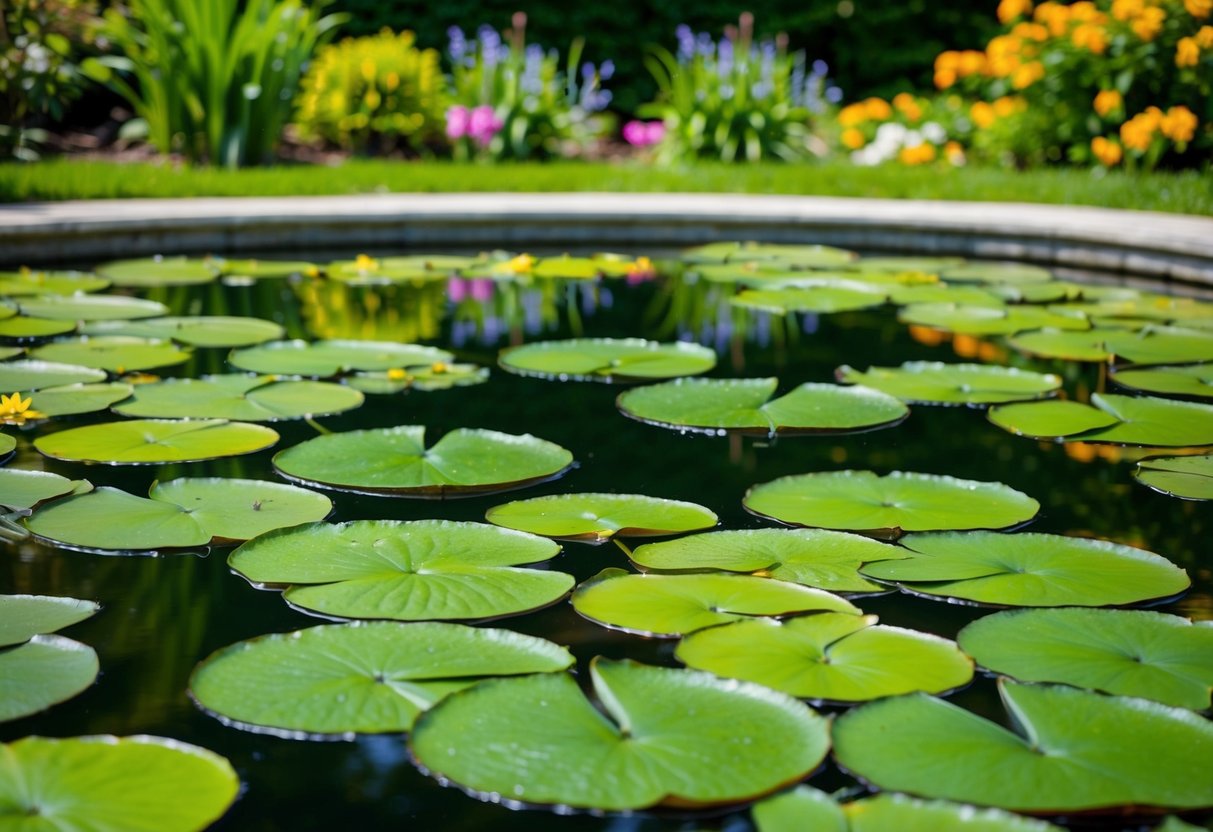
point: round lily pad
(20, 490)
(675, 737)
(996, 272)
(29, 374)
(152, 441)
(7, 445)
(1190, 477)
(1030, 570)
(746, 406)
(943, 293)
(116, 353)
(251, 269)
(44, 671)
(1126, 652)
(423, 570)
(417, 268)
(90, 308)
(27, 282)
(436, 376)
(599, 517)
(239, 398)
(396, 461)
(195, 331)
(1162, 345)
(1145, 420)
(22, 328)
(25, 616)
(235, 509)
(808, 256)
(1091, 345)
(666, 606)
(1049, 419)
(114, 784)
(813, 557)
(1148, 306)
(160, 271)
(987, 320)
(607, 359)
(330, 358)
(820, 299)
(925, 265)
(933, 382)
(345, 679)
(829, 657)
(1195, 380)
(888, 505)
(1077, 751)
(78, 398)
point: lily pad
(22, 328)
(934, 382)
(820, 299)
(197, 331)
(1190, 477)
(1162, 345)
(1050, 419)
(160, 271)
(423, 570)
(91, 308)
(808, 257)
(1195, 381)
(114, 784)
(813, 557)
(370, 271)
(257, 269)
(746, 406)
(345, 679)
(805, 808)
(1125, 652)
(152, 441)
(1078, 751)
(1030, 570)
(116, 353)
(24, 616)
(987, 320)
(396, 461)
(239, 398)
(27, 282)
(668, 737)
(436, 376)
(44, 671)
(30, 374)
(21, 490)
(330, 358)
(1091, 345)
(943, 293)
(600, 517)
(7, 445)
(607, 359)
(1146, 420)
(1149, 306)
(78, 398)
(888, 505)
(667, 606)
(924, 265)
(996, 272)
(235, 509)
(830, 657)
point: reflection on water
(163, 615)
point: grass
(1186, 193)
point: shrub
(374, 93)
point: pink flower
(483, 124)
(457, 120)
(456, 289)
(643, 133)
(482, 289)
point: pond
(160, 616)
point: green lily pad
(987, 320)
(600, 517)
(22, 328)
(44, 671)
(116, 353)
(31, 374)
(368, 271)
(196, 331)
(235, 509)
(10, 352)
(437, 376)
(667, 606)
(996, 272)
(830, 657)
(924, 265)
(330, 358)
(396, 461)
(239, 398)
(27, 282)
(1030, 570)
(813, 557)
(21, 490)
(1091, 345)
(1190, 477)
(935, 293)
(160, 271)
(746, 406)
(1050, 419)
(888, 505)
(73, 399)
(674, 737)
(258, 269)
(1125, 652)
(608, 360)
(423, 570)
(345, 679)
(91, 308)
(1162, 345)
(7, 445)
(1146, 420)
(1196, 380)
(113, 784)
(152, 441)
(819, 299)
(1149, 306)
(934, 382)
(24, 616)
(577, 268)
(1078, 751)
(805, 257)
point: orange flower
(1138, 132)
(1008, 105)
(1027, 75)
(907, 106)
(1107, 101)
(972, 62)
(1002, 55)
(917, 155)
(1085, 11)
(983, 114)
(1090, 37)
(1149, 23)
(1178, 125)
(852, 114)
(1204, 37)
(1030, 31)
(954, 153)
(1055, 16)
(1127, 9)
(1199, 8)
(1106, 151)
(853, 138)
(1009, 10)
(878, 109)
(1187, 53)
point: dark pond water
(162, 615)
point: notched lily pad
(22, 490)
(987, 320)
(610, 360)
(160, 271)
(24, 616)
(74, 399)
(934, 382)
(1195, 381)
(44, 671)
(153, 441)
(599, 517)
(1189, 477)
(194, 331)
(239, 398)
(31, 374)
(323, 359)
(116, 353)
(1050, 419)
(90, 308)
(819, 299)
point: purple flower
(686, 42)
(482, 125)
(456, 289)
(457, 47)
(607, 70)
(458, 120)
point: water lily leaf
(396, 461)
(330, 358)
(369, 271)
(813, 557)
(599, 517)
(160, 271)
(22, 328)
(666, 606)
(799, 809)
(988, 320)
(1078, 751)
(1030, 570)
(1070, 346)
(22, 283)
(1146, 420)
(996, 272)
(1125, 652)
(44, 671)
(924, 265)
(672, 737)
(20, 490)
(239, 398)
(437, 376)
(1049, 420)
(934, 382)
(258, 269)
(116, 353)
(151, 441)
(1196, 380)
(805, 257)
(1146, 306)
(78, 398)
(31, 374)
(821, 299)
(1162, 345)
(1190, 477)
(887, 505)
(944, 293)
(569, 268)
(24, 616)
(197, 331)
(234, 509)
(805, 808)
(7, 445)
(345, 679)
(10, 352)
(830, 657)
(746, 406)
(114, 784)
(607, 359)
(1033, 292)
(91, 308)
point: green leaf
(23, 328)
(1091, 345)
(20, 490)
(28, 374)
(330, 358)
(934, 382)
(1196, 380)
(396, 461)
(234, 509)
(805, 809)
(599, 517)
(1078, 751)
(437, 376)
(609, 360)
(24, 616)
(805, 257)
(160, 271)
(799, 809)
(339, 680)
(258, 269)
(901, 265)
(888, 505)
(820, 299)
(987, 320)
(152, 441)
(90, 308)
(1150, 306)
(1190, 477)
(673, 737)
(1050, 419)
(23, 283)
(239, 398)
(44, 671)
(73, 399)
(116, 353)
(1162, 345)
(196, 331)
(422, 570)
(1150, 421)
(935, 293)
(996, 272)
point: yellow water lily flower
(397, 374)
(365, 263)
(522, 264)
(439, 367)
(15, 411)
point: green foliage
(374, 93)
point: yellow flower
(1055, 16)
(878, 109)
(1027, 75)
(972, 62)
(1002, 55)
(1138, 132)
(853, 114)
(1204, 37)
(1199, 8)
(1178, 125)
(365, 263)
(852, 138)
(1030, 31)
(1107, 101)
(522, 264)
(1149, 23)
(1187, 53)
(907, 106)
(397, 374)
(1127, 9)
(1091, 37)
(14, 411)
(439, 367)
(1008, 10)
(1008, 105)
(954, 153)
(1107, 152)
(1085, 11)
(983, 114)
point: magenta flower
(483, 124)
(643, 133)
(456, 289)
(457, 121)
(482, 289)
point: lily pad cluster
(37, 669)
